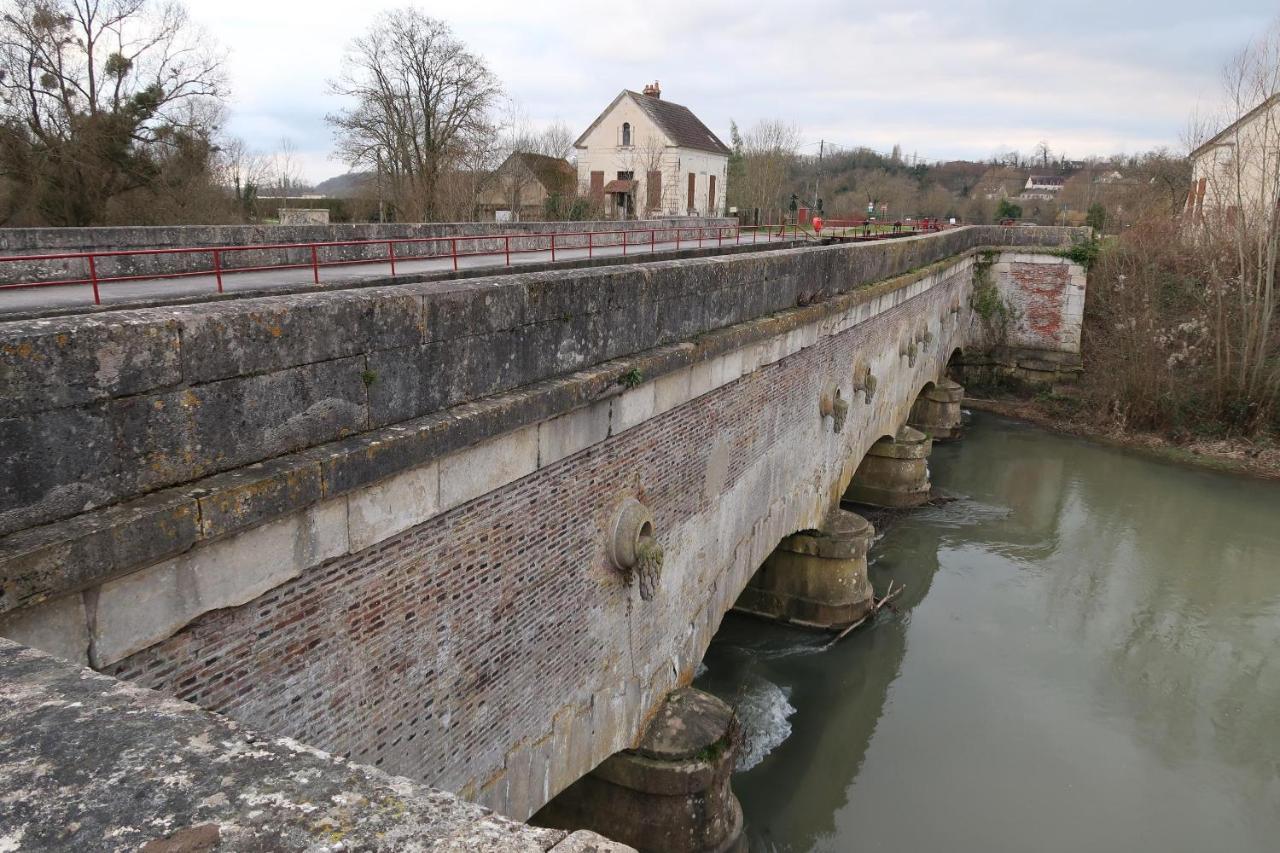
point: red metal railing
(495, 245)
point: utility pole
(817, 186)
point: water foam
(764, 712)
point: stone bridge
(409, 524)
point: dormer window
(626, 134)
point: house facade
(646, 157)
(1239, 167)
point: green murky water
(1086, 658)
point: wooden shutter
(711, 195)
(693, 183)
(597, 186)
(653, 189)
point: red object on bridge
(817, 224)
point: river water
(1086, 658)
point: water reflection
(1085, 658)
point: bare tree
(645, 160)
(768, 152)
(422, 106)
(1243, 184)
(284, 172)
(94, 94)
(245, 172)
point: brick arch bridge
(378, 520)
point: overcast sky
(961, 78)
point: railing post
(653, 241)
(591, 252)
(315, 265)
(391, 253)
(217, 268)
(553, 246)
(720, 236)
(677, 238)
(624, 242)
(506, 239)
(453, 250)
(93, 278)
(700, 230)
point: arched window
(626, 133)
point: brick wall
(1046, 293)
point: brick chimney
(652, 90)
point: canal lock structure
(1082, 657)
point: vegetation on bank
(1181, 337)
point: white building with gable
(646, 157)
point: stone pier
(936, 412)
(671, 793)
(815, 578)
(894, 473)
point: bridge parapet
(35, 241)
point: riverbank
(1236, 456)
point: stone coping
(89, 762)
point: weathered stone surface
(569, 433)
(265, 376)
(167, 439)
(894, 473)
(257, 336)
(936, 412)
(672, 793)
(48, 561)
(56, 463)
(689, 722)
(256, 493)
(91, 763)
(380, 511)
(815, 579)
(481, 469)
(61, 628)
(93, 359)
(139, 609)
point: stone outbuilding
(647, 157)
(524, 184)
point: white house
(648, 157)
(1239, 166)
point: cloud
(961, 78)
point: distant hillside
(350, 185)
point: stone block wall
(98, 409)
